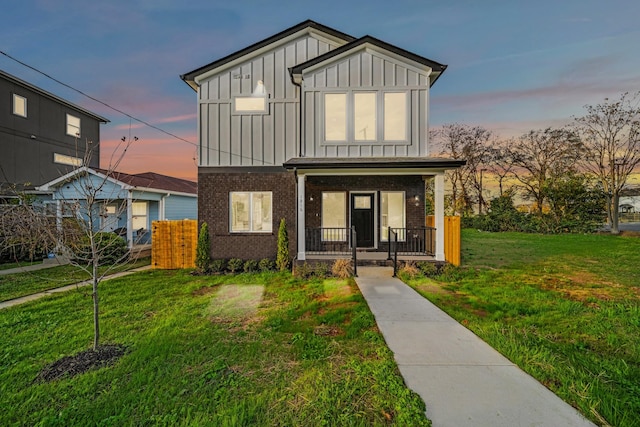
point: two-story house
(327, 131)
(42, 136)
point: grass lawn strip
(299, 352)
(566, 309)
(22, 284)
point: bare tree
(540, 157)
(499, 164)
(473, 144)
(610, 135)
(79, 226)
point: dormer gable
(376, 47)
(308, 27)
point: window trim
(251, 230)
(404, 215)
(75, 134)
(15, 110)
(344, 211)
(236, 112)
(350, 137)
(63, 159)
(138, 216)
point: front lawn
(565, 308)
(263, 350)
(22, 284)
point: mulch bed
(80, 363)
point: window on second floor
(366, 116)
(19, 105)
(73, 125)
(63, 159)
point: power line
(124, 113)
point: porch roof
(373, 162)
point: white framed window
(361, 116)
(66, 160)
(392, 214)
(139, 215)
(73, 125)
(251, 212)
(395, 116)
(334, 216)
(364, 116)
(335, 116)
(19, 105)
(250, 105)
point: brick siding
(213, 207)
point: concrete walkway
(463, 380)
(22, 300)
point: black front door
(362, 218)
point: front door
(362, 218)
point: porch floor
(365, 256)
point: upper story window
(73, 125)
(366, 116)
(19, 105)
(254, 104)
(66, 160)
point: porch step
(374, 263)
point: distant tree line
(571, 177)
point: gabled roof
(51, 96)
(190, 77)
(147, 181)
(437, 68)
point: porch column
(129, 221)
(439, 216)
(302, 179)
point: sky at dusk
(514, 66)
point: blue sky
(514, 66)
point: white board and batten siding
(366, 71)
(233, 139)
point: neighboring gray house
(126, 204)
(324, 130)
(42, 136)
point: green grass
(564, 308)
(9, 265)
(263, 349)
(22, 284)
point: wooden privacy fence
(173, 244)
(451, 237)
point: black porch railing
(412, 241)
(328, 241)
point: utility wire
(122, 112)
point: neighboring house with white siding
(327, 131)
(126, 203)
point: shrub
(266, 264)
(218, 265)
(303, 271)
(342, 268)
(110, 248)
(203, 249)
(282, 259)
(409, 270)
(234, 265)
(321, 270)
(428, 269)
(250, 266)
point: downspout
(298, 82)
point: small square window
(251, 212)
(19, 105)
(73, 125)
